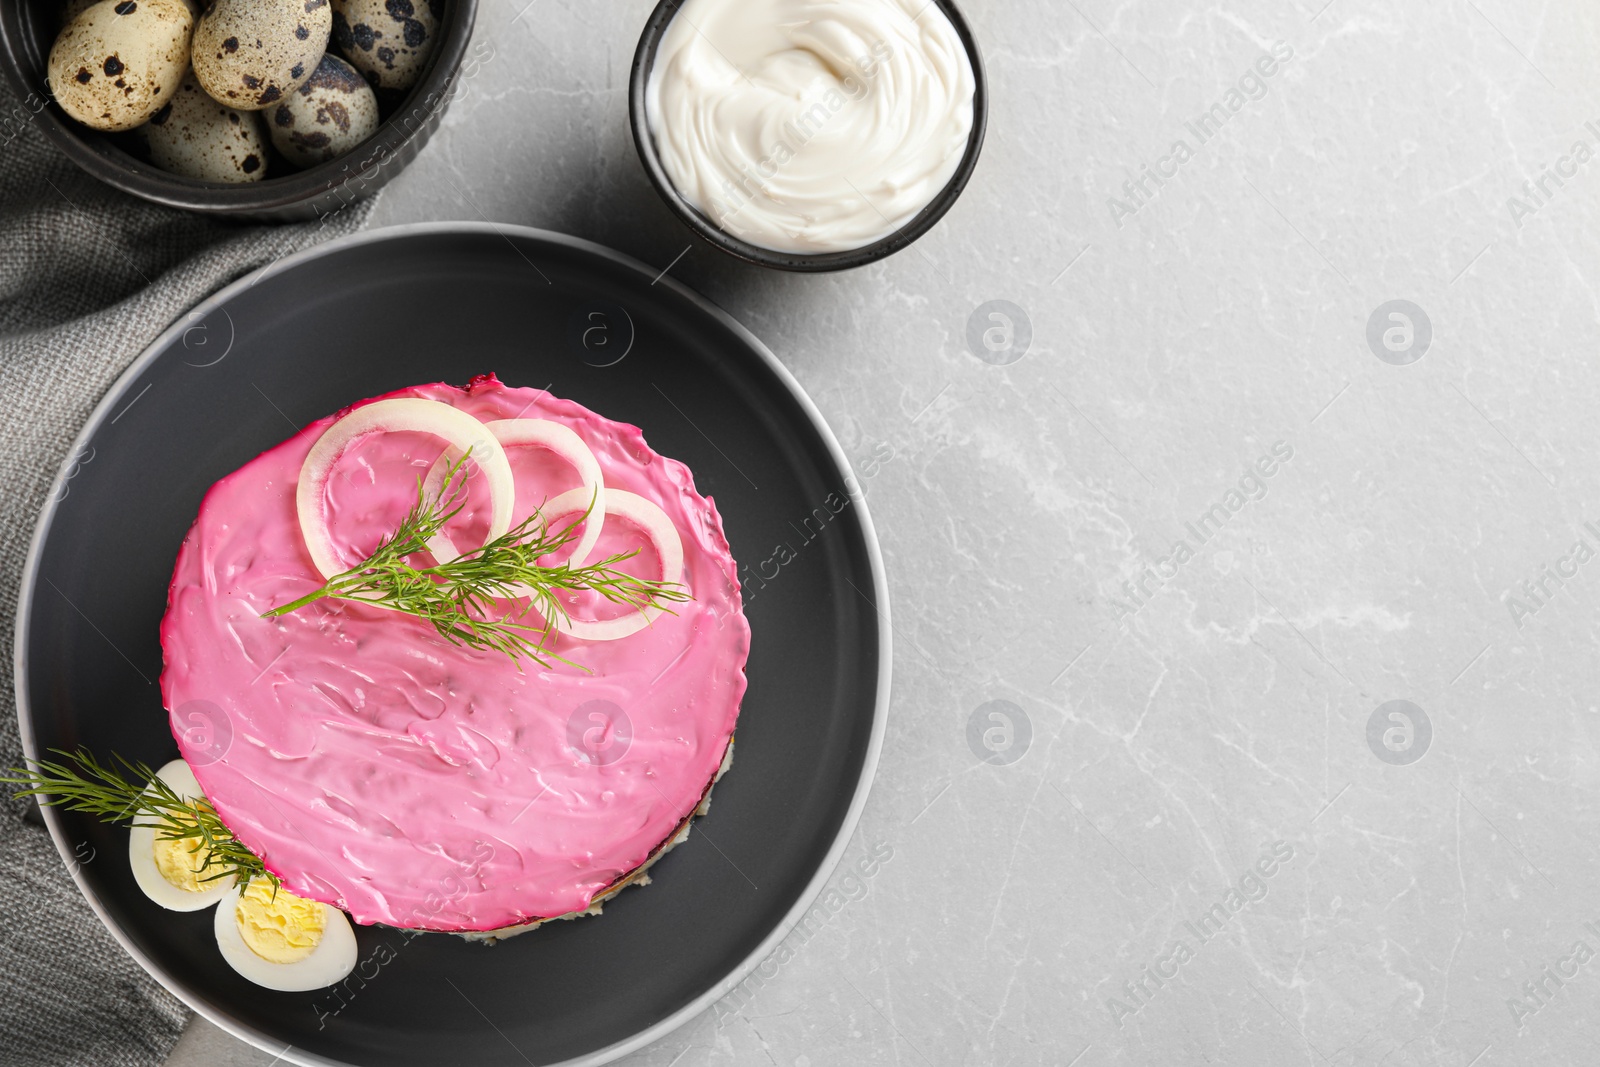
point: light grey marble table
(1204, 834)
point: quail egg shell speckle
(250, 54)
(333, 111)
(388, 41)
(120, 60)
(73, 8)
(197, 137)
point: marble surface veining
(1147, 794)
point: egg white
(141, 852)
(332, 959)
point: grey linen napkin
(88, 277)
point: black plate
(427, 303)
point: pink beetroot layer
(378, 768)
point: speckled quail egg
(282, 941)
(333, 111)
(252, 53)
(388, 41)
(197, 137)
(164, 867)
(120, 60)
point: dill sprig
(465, 600)
(131, 794)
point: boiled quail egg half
(281, 941)
(165, 867)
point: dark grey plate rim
(880, 589)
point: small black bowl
(644, 58)
(28, 28)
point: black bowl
(644, 58)
(28, 28)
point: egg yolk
(279, 927)
(177, 864)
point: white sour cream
(810, 126)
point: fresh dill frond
(131, 794)
(468, 601)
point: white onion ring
(457, 428)
(555, 437)
(655, 525)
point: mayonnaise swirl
(810, 126)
